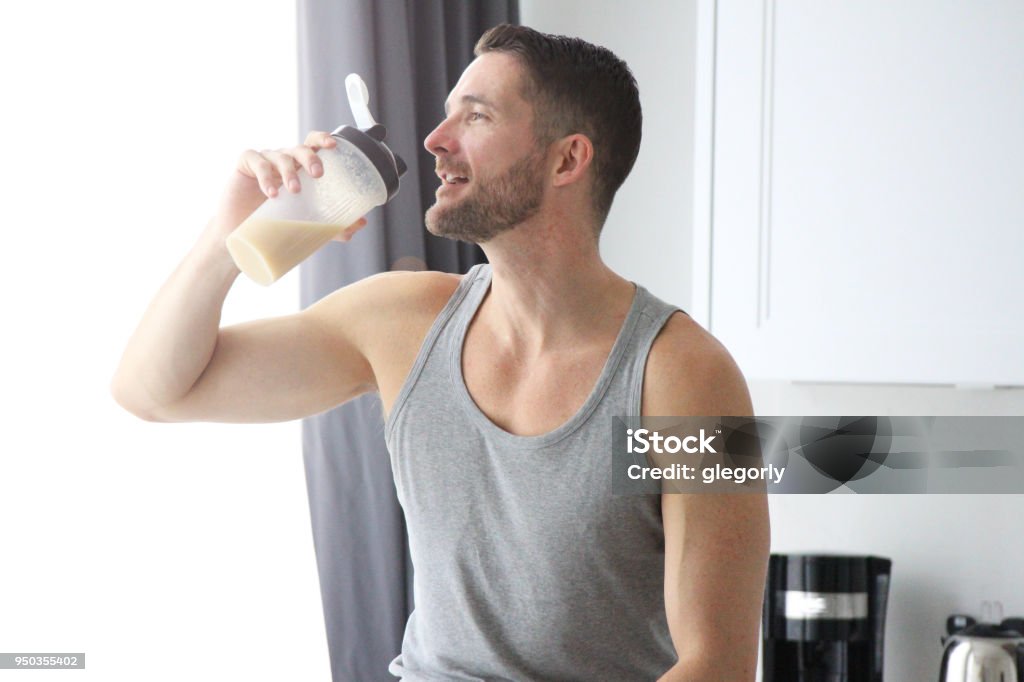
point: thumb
(347, 233)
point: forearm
(176, 337)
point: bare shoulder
(385, 318)
(387, 298)
(690, 372)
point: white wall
(950, 552)
(164, 552)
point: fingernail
(316, 169)
(271, 191)
(293, 185)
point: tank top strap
(654, 313)
(476, 282)
(457, 313)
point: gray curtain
(410, 53)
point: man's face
(489, 162)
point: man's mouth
(453, 178)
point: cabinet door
(868, 190)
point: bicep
(273, 370)
(716, 557)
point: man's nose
(440, 140)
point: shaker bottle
(360, 173)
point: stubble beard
(492, 207)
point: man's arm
(179, 365)
(716, 545)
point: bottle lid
(368, 138)
(989, 630)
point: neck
(550, 287)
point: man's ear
(573, 155)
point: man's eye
(476, 116)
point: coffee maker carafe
(824, 618)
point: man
(498, 389)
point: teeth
(453, 179)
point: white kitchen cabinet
(863, 180)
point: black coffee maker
(824, 618)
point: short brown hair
(576, 87)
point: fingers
(307, 158)
(284, 166)
(318, 138)
(274, 169)
(306, 153)
(349, 231)
(255, 165)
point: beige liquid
(265, 249)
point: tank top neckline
(481, 285)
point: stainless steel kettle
(984, 653)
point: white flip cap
(359, 101)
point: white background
(162, 551)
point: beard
(492, 206)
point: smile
(452, 178)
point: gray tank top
(526, 566)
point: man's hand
(262, 175)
